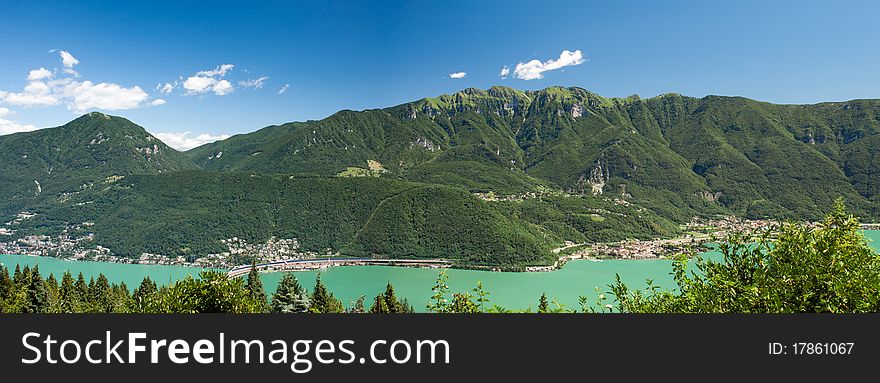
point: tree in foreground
(826, 268)
(212, 292)
(255, 286)
(542, 304)
(389, 303)
(290, 296)
(439, 303)
(323, 301)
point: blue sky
(358, 55)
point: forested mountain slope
(485, 177)
(750, 157)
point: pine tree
(18, 278)
(121, 298)
(37, 294)
(82, 294)
(323, 301)
(290, 297)
(102, 295)
(379, 305)
(542, 304)
(391, 302)
(405, 306)
(357, 307)
(68, 295)
(54, 300)
(255, 286)
(25, 277)
(6, 285)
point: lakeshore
(573, 279)
(280, 254)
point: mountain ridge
(492, 177)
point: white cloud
(222, 88)
(9, 127)
(167, 88)
(36, 93)
(39, 74)
(158, 102)
(535, 69)
(504, 72)
(43, 89)
(457, 75)
(256, 83)
(82, 96)
(67, 59)
(198, 84)
(205, 80)
(183, 141)
(220, 70)
(283, 89)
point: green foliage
(37, 300)
(657, 162)
(444, 222)
(290, 296)
(388, 303)
(323, 301)
(254, 286)
(482, 296)
(76, 157)
(212, 292)
(439, 303)
(463, 303)
(827, 268)
(542, 304)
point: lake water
(510, 290)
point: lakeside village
(72, 246)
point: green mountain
(748, 157)
(56, 162)
(486, 177)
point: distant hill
(486, 177)
(50, 162)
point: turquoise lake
(510, 290)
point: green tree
(482, 296)
(462, 303)
(357, 307)
(255, 286)
(391, 301)
(70, 300)
(212, 292)
(323, 301)
(824, 268)
(54, 294)
(37, 293)
(102, 295)
(6, 287)
(439, 303)
(405, 306)
(379, 306)
(290, 296)
(82, 293)
(145, 296)
(542, 304)
(18, 277)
